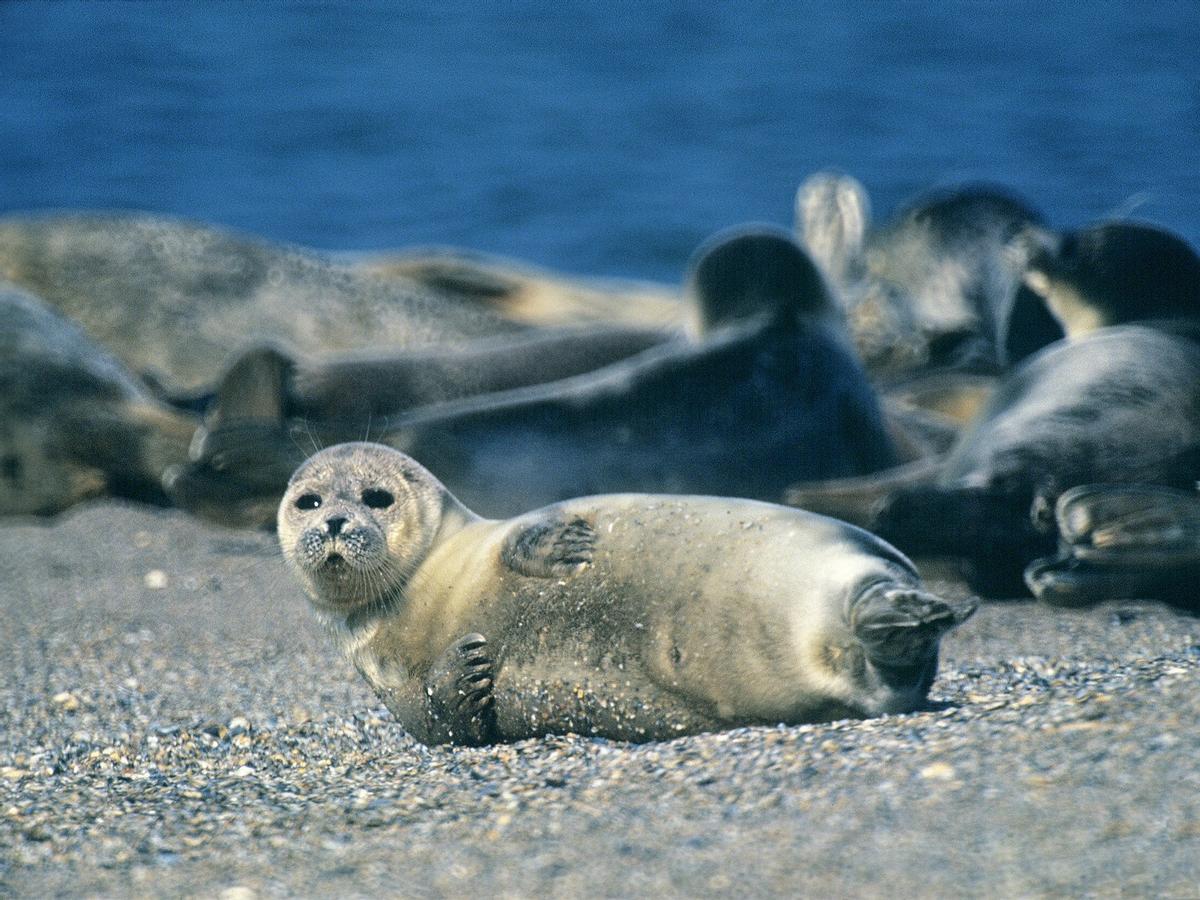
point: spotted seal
(631, 617)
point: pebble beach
(173, 722)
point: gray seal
(631, 617)
(527, 293)
(771, 395)
(74, 422)
(1114, 273)
(1118, 405)
(171, 298)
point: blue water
(604, 138)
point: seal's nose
(334, 524)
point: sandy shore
(172, 722)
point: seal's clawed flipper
(459, 688)
(1122, 542)
(899, 627)
(550, 547)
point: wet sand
(173, 722)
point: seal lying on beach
(1113, 273)
(358, 389)
(1119, 405)
(632, 617)
(938, 286)
(171, 299)
(771, 396)
(74, 423)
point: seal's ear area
(833, 213)
(900, 626)
(549, 547)
(754, 272)
(253, 387)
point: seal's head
(1114, 273)
(355, 522)
(755, 272)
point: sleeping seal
(772, 395)
(74, 423)
(171, 298)
(527, 293)
(632, 617)
(357, 389)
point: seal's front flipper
(899, 627)
(549, 547)
(459, 688)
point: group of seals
(771, 395)
(633, 617)
(1117, 402)
(590, 614)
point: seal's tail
(900, 627)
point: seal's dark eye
(308, 501)
(377, 498)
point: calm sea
(607, 138)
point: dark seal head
(1114, 273)
(751, 273)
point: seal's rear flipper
(1130, 524)
(549, 547)
(833, 213)
(1122, 541)
(1069, 582)
(899, 627)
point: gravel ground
(172, 722)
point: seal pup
(74, 423)
(631, 617)
(771, 395)
(170, 298)
(1122, 541)
(939, 286)
(1119, 405)
(1113, 273)
(530, 294)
